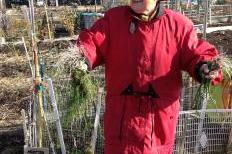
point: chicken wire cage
(212, 134)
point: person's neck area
(146, 16)
(150, 11)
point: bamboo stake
(38, 87)
(28, 57)
(37, 82)
(48, 24)
(31, 127)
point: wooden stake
(48, 24)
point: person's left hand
(209, 74)
(211, 70)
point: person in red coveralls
(144, 48)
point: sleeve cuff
(198, 73)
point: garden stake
(96, 122)
(55, 110)
(48, 24)
(37, 82)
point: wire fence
(217, 14)
(214, 137)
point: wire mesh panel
(215, 137)
(77, 130)
(88, 19)
(221, 10)
(71, 129)
(190, 87)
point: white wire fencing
(215, 135)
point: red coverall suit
(143, 63)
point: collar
(159, 11)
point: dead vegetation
(14, 96)
(13, 65)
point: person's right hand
(82, 66)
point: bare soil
(222, 40)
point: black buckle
(130, 92)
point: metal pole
(202, 118)
(30, 123)
(57, 3)
(182, 99)
(55, 110)
(49, 136)
(206, 18)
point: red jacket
(143, 62)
